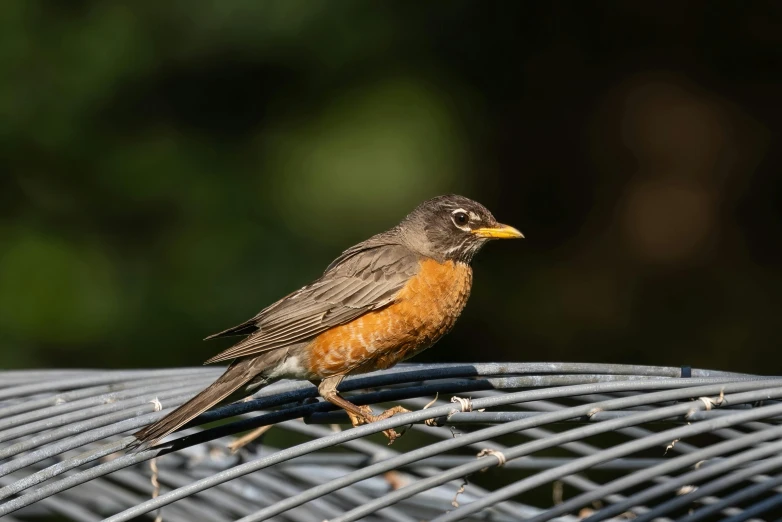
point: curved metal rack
(539, 441)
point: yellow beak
(499, 232)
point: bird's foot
(366, 416)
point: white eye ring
(461, 219)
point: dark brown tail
(236, 376)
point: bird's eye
(461, 218)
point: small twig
(248, 438)
(464, 404)
(501, 459)
(557, 492)
(686, 489)
(433, 421)
(394, 480)
(454, 502)
(155, 486)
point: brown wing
(365, 278)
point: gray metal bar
(481, 435)
(678, 463)
(579, 464)
(725, 481)
(607, 397)
(738, 497)
(100, 378)
(110, 412)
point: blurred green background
(170, 168)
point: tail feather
(236, 376)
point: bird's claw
(366, 416)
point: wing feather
(351, 287)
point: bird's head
(452, 227)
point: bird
(380, 302)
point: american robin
(379, 303)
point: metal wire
(604, 440)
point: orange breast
(425, 309)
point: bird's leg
(328, 390)
(358, 414)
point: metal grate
(540, 441)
